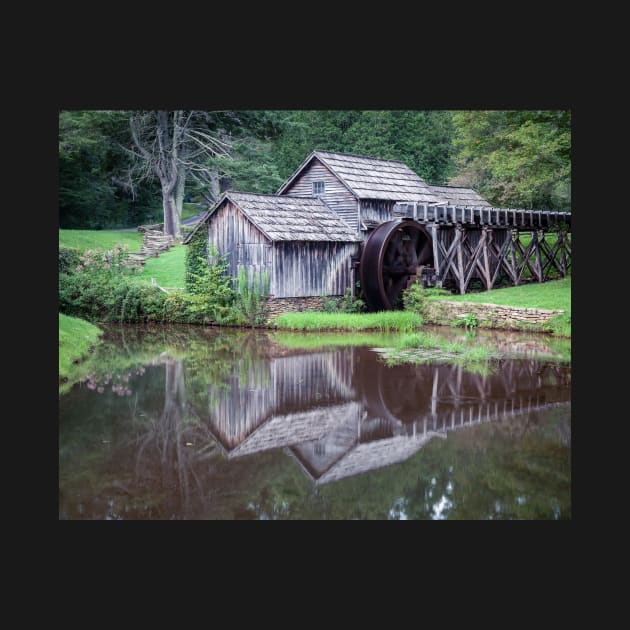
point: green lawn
(168, 268)
(105, 239)
(75, 338)
(555, 294)
(190, 210)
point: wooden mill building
(342, 220)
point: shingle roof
(372, 178)
(287, 218)
(377, 454)
(457, 195)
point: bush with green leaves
(103, 286)
(113, 261)
(416, 297)
(68, 259)
(347, 303)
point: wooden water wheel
(392, 259)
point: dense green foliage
(94, 191)
(76, 337)
(518, 159)
(421, 139)
(68, 259)
(196, 260)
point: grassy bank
(168, 268)
(555, 294)
(76, 337)
(105, 239)
(386, 321)
(552, 295)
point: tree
(516, 158)
(421, 139)
(171, 145)
(93, 190)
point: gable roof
(460, 196)
(372, 178)
(287, 218)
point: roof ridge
(367, 157)
(448, 186)
(241, 192)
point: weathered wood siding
(337, 196)
(241, 242)
(377, 210)
(311, 268)
(258, 389)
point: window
(318, 188)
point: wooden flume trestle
(451, 246)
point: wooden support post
(439, 272)
(563, 252)
(459, 233)
(537, 263)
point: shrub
(68, 259)
(112, 262)
(102, 297)
(415, 297)
(345, 304)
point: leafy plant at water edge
(416, 297)
(467, 321)
(345, 304)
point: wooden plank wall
(376, 210)
(235, 236)
(336, 196)
(259, 388)
(309, 268)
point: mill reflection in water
(199, 423)
(344, 412)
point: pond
(204, 423)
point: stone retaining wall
(297, 304)
(493, 315)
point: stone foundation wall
(297, 304)
(493, 315)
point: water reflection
(195, 404)
(344, 412)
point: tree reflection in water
(233, 405)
